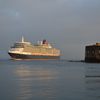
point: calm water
(49, 80)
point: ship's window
(18, 45)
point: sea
(49, 80)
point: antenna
(22, 39)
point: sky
(68, 25)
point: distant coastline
(76, 61)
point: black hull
(32, 57)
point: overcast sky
(69, 25)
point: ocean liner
(40, 51)
(92, 53)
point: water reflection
(35, 82)
(92, 80)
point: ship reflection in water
(92, 80)
(35, 82)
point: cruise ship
(40, 51)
